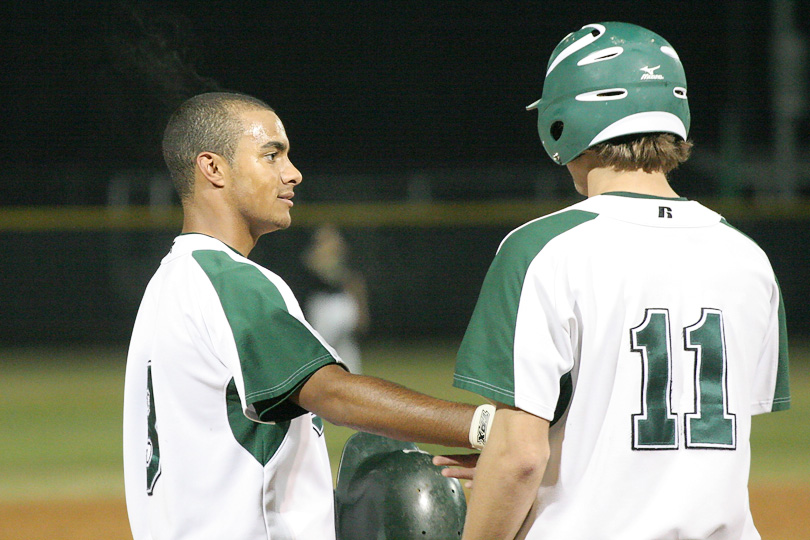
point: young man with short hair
(224, 375)
(627, 339)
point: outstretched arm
(508, 475)
(385, 408)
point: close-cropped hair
(204, 123)
(651, 152)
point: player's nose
(291, 174)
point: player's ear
(212, 167)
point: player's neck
(604, 180)
(208, 220)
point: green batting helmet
(390, 490)
(608, 80)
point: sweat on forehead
(264, 127)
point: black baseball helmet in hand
(390, 490)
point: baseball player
(627, 339)
(336, 301)
(224, 375)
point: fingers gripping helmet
(607, 80)
(390, 490)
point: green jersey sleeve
(486, 357)
(277, 351)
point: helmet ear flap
(556, 129)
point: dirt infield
(64, 520)
(781, 513)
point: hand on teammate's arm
(385, 408)
(461, 466)
(507, 476)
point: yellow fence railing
(358, 214)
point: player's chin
(284, 222)
(275, 223)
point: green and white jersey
(648, 331)
(213, 448)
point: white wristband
(481, 425)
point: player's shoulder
(742, 240)
(533, 236)
(220, 263)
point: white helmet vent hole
(680, 92)
(600, 56)
(596, 29)
(608, 94)
(557, 130)
(669, 51)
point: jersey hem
(484, 389)
(778, 404)
(500, 395)
(781, 404)
(293, 380)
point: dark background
(360, 86)
(371, 94)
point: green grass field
(60, 417)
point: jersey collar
(212, 237)
(632, 195)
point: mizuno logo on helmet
(650, 74)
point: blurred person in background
(336, 302)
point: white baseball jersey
(213, 448)
(648, 331)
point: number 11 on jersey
(710, 425)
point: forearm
(385, 408)
(508, 476)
